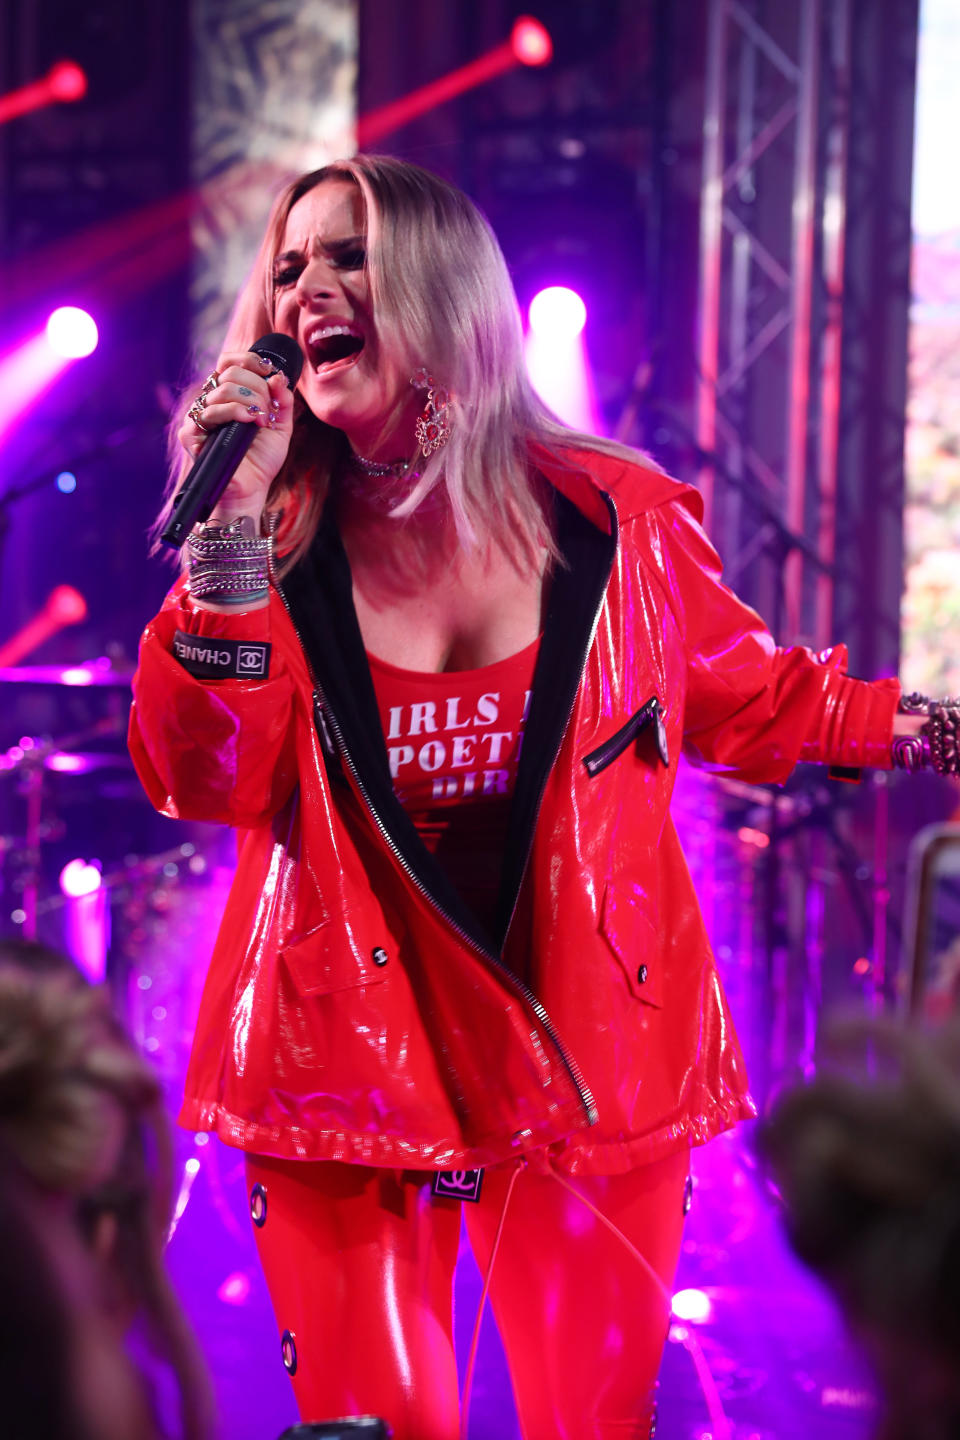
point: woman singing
(435, 657)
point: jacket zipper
(322, 706)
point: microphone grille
(284, 352)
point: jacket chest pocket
(631, 935)
(648, 718)
(332, 957)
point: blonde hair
(81, 1113)
(443, 299)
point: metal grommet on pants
(258, 1205)
(288, 1351)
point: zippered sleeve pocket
(651, 713)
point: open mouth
(331, 345)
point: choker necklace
(392, 484)
(382, 470)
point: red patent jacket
(354, 1008)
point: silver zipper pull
(662, 749)
(320, 719)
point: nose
(316, 282)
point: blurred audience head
(867, 1161)
(86, 1158)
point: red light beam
(529, 44)
(65, 81)
(64, 606)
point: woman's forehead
(332, 210)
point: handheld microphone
(220, 456)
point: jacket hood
(637, 486)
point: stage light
(557, 313)
(692, 1305)
(67, 81)
(557, 359)
(66, 482)
(64, 606)
(79, 878)
(86, 918)
(529, 44)
(530, 41)
(72, 333)
(66, 764)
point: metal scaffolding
(771, 266)
(800, 402)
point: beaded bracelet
(228, 563)
(936, 746)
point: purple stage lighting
(86, 918)
(557, 313)
(692, 1305)
(78, 878)
(557, 359)
(72, 333)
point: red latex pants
(360, 1262)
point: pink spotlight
(77, 675)
(29, 368)
(557, 313)
(530, 41)
(557, 359)
(86, 918)
(66, 81)
(78, 878)
(66, 764)
(692, 1305)
(72, 333)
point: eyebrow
(332, 247)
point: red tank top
(454, 741)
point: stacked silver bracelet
(228, 563)
(937, 746)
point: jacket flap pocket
(329, 958)
(630, 933)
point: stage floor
(771, 1341)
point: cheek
(285, 315)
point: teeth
(328, 331)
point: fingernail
(274, 404)
(254, 410)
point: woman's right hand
(247, 392)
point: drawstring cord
(475, 1339)
(718, 1419)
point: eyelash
(348, 260)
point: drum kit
(141, 922)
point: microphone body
(215, 465)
